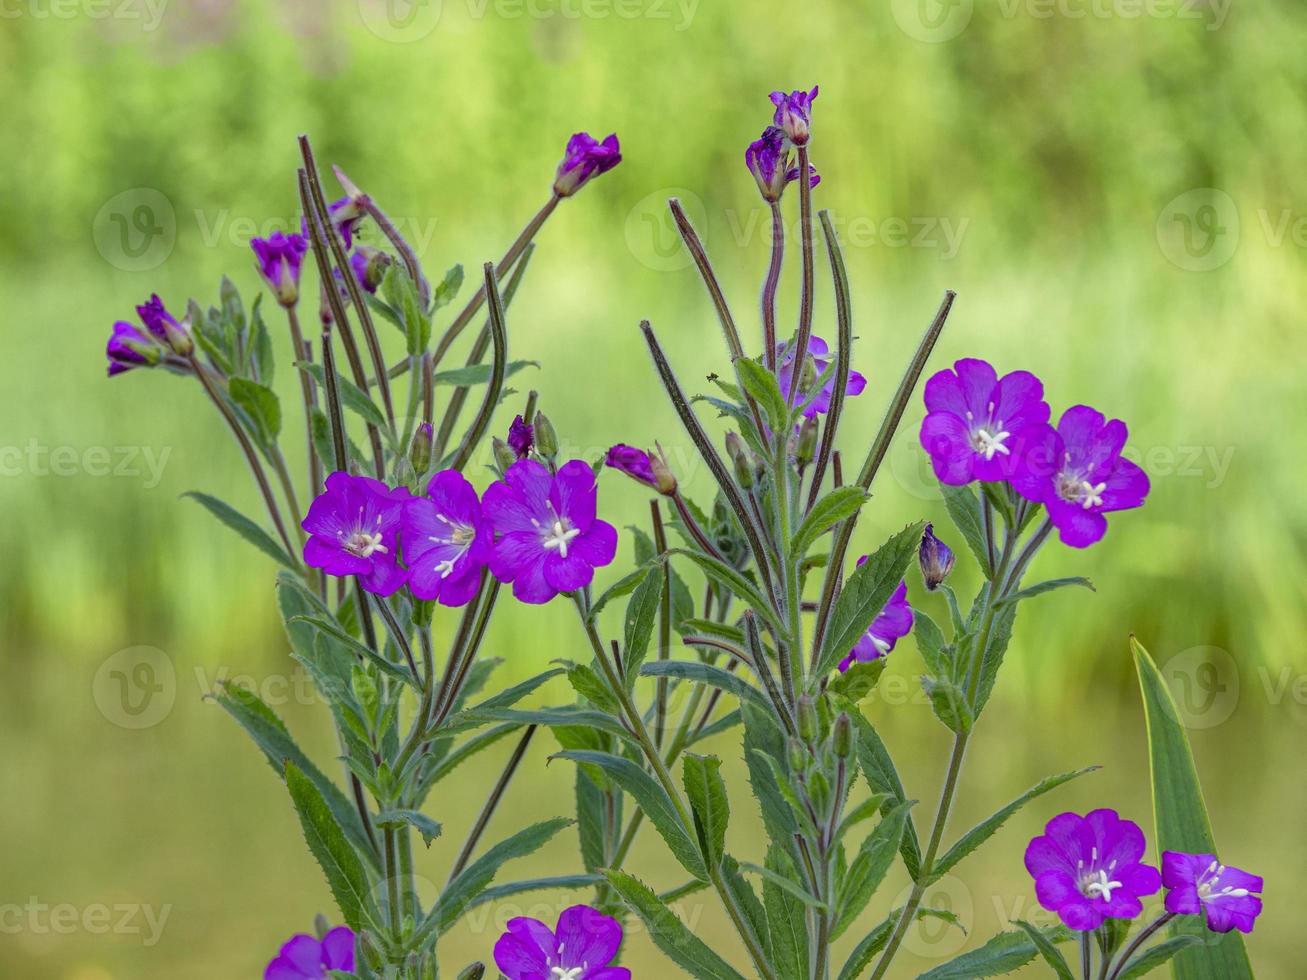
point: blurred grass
(1053, 144)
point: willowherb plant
(787, 638)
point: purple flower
(893, 623)
(977, 425)
(551, 541)
(280, 259)
(770, 160)
(164, 327)
(1077, 472)
(935, 558)
(1198, 883)
(647, 468)
(794, 114)
(307, 958)
(521, 437)
(346, 216)
(585, 158)
(581, 948)
(1087, 869)
(128, 347)
(446, 540)
(820, 355)
(354, 525)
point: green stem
(1138, 941)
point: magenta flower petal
(892, 624)
(354, 530)
(585, 159)
(586, 936)
(819, 352)
(446, 541)
(581, 948)
(307, 958)
(1199, 883)
(574, 494)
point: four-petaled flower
(307, 958)
(580, 948)
(354, 528)
(978, 425)
(794, 114)
(551, 541)
(818, 361)
(586, 157)
(281, 257)
(1078, 473)
(446, 540)
(1199, 883)
(1088, 869)
(892, 624)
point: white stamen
(989, 444)
(1099, 886)
(363, 544)
(568, 973)
(559, 537)
(1093, 494)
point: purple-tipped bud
(935, 557)
(346, 214)
(646, 468)
(419, 453)
(794, 114)
(281, 257)
(128, 347)
(520, 438)
(369, 266)
(585, 158)
(163, 326)
(770, 159)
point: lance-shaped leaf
(1180, 815)
(1004, 953)
(706, 791)
(883, 776)
(424, 825)
(949, 702)
(864, 595)
(351, 395)
(340, 863)
(787, 919)
(260, 405)
(762, 386)
(869, 868)
(1051, 954)
(732, 580)
(652, 798)
(641, 617)
(986, 829)
(1153, 957)
(838, 505)
(693, 670)
(1041, 587)
(243, 526)
(669, 933)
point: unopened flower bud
(742, 458)
(819, 790)
(935, 557)
(474, 972)
(586, 158)
(807, 718)
(281, 257)
(520, 437)
(163, 326)
(504, 455)
(794, 114)
(320, 925)
(842, 736)
(806, 448)
(651, 469)
(419, 453)
(798, 755)
(369, 266)
(546, 437)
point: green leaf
(702, 673)
(837, 506)
(883, 777)
(763, 740)
(1049, 586)
(864, 595)
(964, 509)
(351, 396)
(337, 632)
(243, 526)
(340, 863)
(728, 578)
(1180, 816)
(261, 358)
(622, 587)
(869, 868)
(706, 627)
(400, 291)
(787, 920)
(668, 932)
(786, 884)
(447, 288)
(1153, 957)
(1004, 953)
(477, 374)
(949, 702)
(761, 384)
(652, 798)
(706, 791)
(260, 405)
(588, 684)
(641, 617)
(986, 829)
(1051, 954)
(935, 651)
(424, 825)
(860, 959)
(500, 892)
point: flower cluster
(770, 158)
(982, 427)
(536, 529)
(1089, 869)
(165, 340)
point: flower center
(1099, 883)
(558, 537)
(881, 645)
(566, 973)
(460, 536)
(1075, 489)
(360, 542)
(988, 439)
(1211, 878)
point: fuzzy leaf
(693, 670)
(706, 792)
(727, 577)
(1041, 587)
(869, 868)
(761, 384)
(883, 776)
(964, 509)
(1051, 954)
(338, 859)
(420, 822)
(641, 617)
(1153, 957)
(837, 506)
(1004, 953)
(243, 526)
(786, 916)
(260, 404)
(949, 702)
(351, 396)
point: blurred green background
(1114, 189)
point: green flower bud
(807, 443)
(474, 972)
(742, 458)
(504, 455)
(808, 725)
(546, 437)
(419, 452)
(798, 755)
(842, 737)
